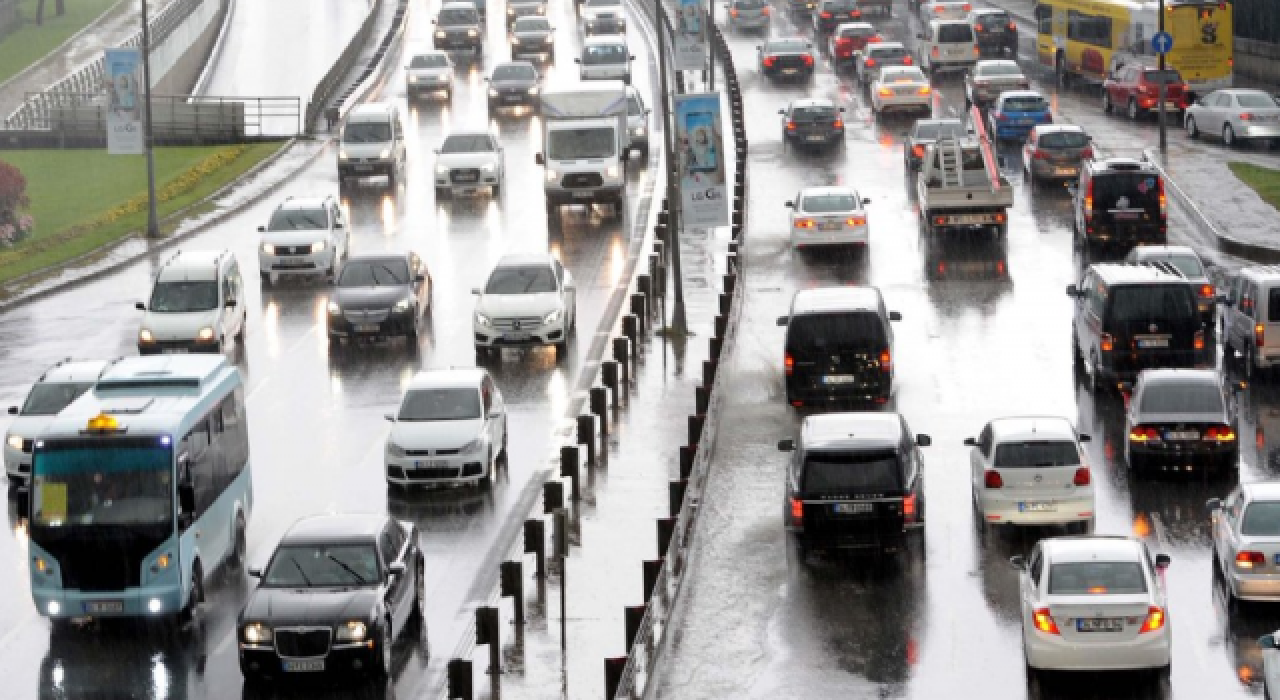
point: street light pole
(679, 323)
(153, 222)
(1164, 136)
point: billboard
(691, 36)
(699, 139)
(124, 95)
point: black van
(1120, 200)
(839, 347)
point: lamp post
(679, 322)
(1164, 136)
(153, 223)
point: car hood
(532, 34)
(294, 237)
(1199, 417)
(503, 305)
(369, 298)
(365, 150)
(28, 427)
(443, 435)
(178, 326)
(590, 13)
(429, 72)
(467, 160)
(283, 607)
(513, 84)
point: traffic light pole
(153, 222)
(1164, 129)
(679, 322)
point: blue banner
(699, 139)
(124, 102)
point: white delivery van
(585, 145)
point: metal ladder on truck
(951, 161)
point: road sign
(1162, 42)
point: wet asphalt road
(986, 333)
(316, 419)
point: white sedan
(823, 216)
(468, 163)
(529, 300)
(1031, 471)
(902, 88)
(1094, 603)
(450, 429)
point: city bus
(1087, 39)
(140, 488)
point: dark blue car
(1016, 112)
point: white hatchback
(52, 392)
(450, 429)
(1094, 603)
(1030, 470)
(823, 216)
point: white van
(305, 236)
(197, 305)
(948, 45)
(605, 58)
(1251, 318)
(372, 144)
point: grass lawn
(29, 43)
(1264, 181)
(73, 191)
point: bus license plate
(851, 508)
(1099, 624)
(516, 337)
(100, 607)
(1036, 507)
(970, 219)
(307, 665)
(838, 379)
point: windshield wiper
(301, 573)
(346, 568)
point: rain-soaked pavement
(985, 333)
(316, 424)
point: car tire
(244, 323)
(411, 336)
(1132, 110)
(442, 193)
(562, 351)
(382, 662)
(1228, 136)
(265, 278)
(188, 611)
(1192, 131)
(1107, 107)
(486, 480)
(497, 191)
(483, 355)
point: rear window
(1151, 302)
(1273, 305)
(813, 114)
(888, 53)
(1063, 139)
(991, 19)
(852, 472)
(841, 6)
(857, 32)
(827, 203)
(1261, 519)
(1025, 104)
(1096, 578)
(999, 69)
(859, 329)
(936, 130)
(1188, 265)
(787, 46)
(1255, 99)
(1155, 77)
(1181, 397)
(954, 33)
(458, 15)
(429, 61)
(1126, 191)
(750, 4)
(1040, 453)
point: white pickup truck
(957, 191)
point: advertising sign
(691, 36)
(704, 200)
(124, 108)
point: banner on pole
(699, 138)
(691, 36)
(124, 109)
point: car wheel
(1133, 110)
(562, 351)
(412, 334)
(382, 664)
(1107, 107)
(265, 278)
(1192, 131)
(482, 355)
(497, 191)
(442, 193)
(487, 479)
(188, 611)
(1228, 136)
(244, 323)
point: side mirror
(647, 111)
(1163, 561)
(1018, 562)
(787, 445)
(495, 413)
(866, 200)
(895, 316)
(1084, 437)
(789, 204)
(262, 229)
(920, 36)
(970, 442)
(390, 416)
(577, 60)
(13, 410)
(436, 151)
(539, 159)
(231, 304)
(475, 291)
(419, 277)
(631, 58)
(255, 573)
(396, 568)
(784, 320)
(1267, 641)
(339, 225)
(759, 49)
(1001, 161)
(842, 109)
(923, 440)
(141, 306)
(782, 111)
(1073, 291)
(1213, 505)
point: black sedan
(378, 296)
(513, 84)
(789, 58)
(335, 595)
(814, 123)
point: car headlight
(352, 631)
(470, 447)
(256, 633)
(551, 317)
(394, 450)
(145, 336)
(15, 441)
(442, 169)
(205, 333)
(483, 319)
(515, 41)
(268, 249)
(552, 176)
(488, 167)
(342, 154)
(533, 91)
(542, 9)
(638, 131)
(611, 171)
(550, 38)
(472, 32)
(334, 309)
(413, 78)
(511, 11)
(403, 304)
(441, 34)
(317, 247)
(386, 153)
(493, 92)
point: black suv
(1135, 316)
(995, 31)
(839, 346)
(832, 13)
(814, 123)
(458, 28)
(1120, 200)
(856, 482)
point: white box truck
(585, 145)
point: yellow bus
(1087, 39)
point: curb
(215, 53)
(92, 26)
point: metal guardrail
(332, 80)
(78, 117)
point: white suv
(197, 305)
(468, 162)
(305, 236)
(451, 429)
(52, 392)
(529, 300)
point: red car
(1135, 88)
(849, 39)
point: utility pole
(711, 58)
(679, 324)
(153, 222)
(1164, 136)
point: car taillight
(967, 7)
(1144, 433)
(791, 126)
(925, 90)
(909, 508)
(808, 60)
(825, 15)
(885, 92)
(870, 63)
(1206, 291)
(856, 221)
(1040, 155)
(733, 12)
(804, 223)
(991, 479)
(875, 39)
(1154, 621)
(1248, 559)
(1246, 116)
(917, 151)
(1220, 433)
(1087, 153)
(938, 9)
(1164, 201)
(1083, 477)
(788, 364)
(1088, 200)
(1001, 117)
(1013, 26)
(978, 28)
(1199, 340)
(769, 61)
(934, 52)
(977, 51)
(797, 511)
(1260, 335)
(844, 42)
(837, 124)
(765, 10)
(886, 360)
(1044, 621)
(1107, 342)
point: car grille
(303, 642)
(430, 453)
(517, 324)
(100, 564)
(430, 473)
(464, 175)
(582, 180)
(293, 250)
(365, 316)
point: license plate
(1171, 105)
(851, 508)
(788, 71)
(469, 179)
(838, 379)
(815, 137)
(517, 336)
(364, 168)
(431, 463)
(1099, 624)
(1146, 343)
(582, 195)
(1036, 507)
(366, 327)
(1126, 215)
(1064, 171)
(1182, 435)
(832, 226)
(292, 264)
(971, 219)
(175, 351)
(511, 98)
(99, 607)
(303, 665)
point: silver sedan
(1246, 540)
(1236, 115)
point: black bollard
(489, 631)
(620, 353)
(633, 616)
(613, 668)
(709, 368)
(552, 496)
(569, 470)
(687, 455)
(535, 543)
(726, 303)
(714, 345)
(587, 436)
(631, 329)
(666, 530)
(609, 377)
(721, 326)
(695, 427)
(650, 573)
(511, 584)
(599, 400)
(459, 672)
(675, 496)
(644, 287)
(640, 311)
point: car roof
(459, 4)
(73, 371)
(1261, 273)
(1119, 273)
(1143, 252)
(884, 45)
(852, 430)
(338, 527)
(1092, 547)
(521, 64)
(988, 11)
(1058, 128)
(1261, 490)
(605, 40)
(1027, 428)
(855, 25)
(1181, 376)
(525, 259)
(946, 120)
(941, 22)
(294, 203)
(454, 378)
(812, 102)
(830, 299)
(1019, 93)
(818, 190)
(900, 69)
(192, 265)
(1244, 91)
(1122, 165)
(375, 111)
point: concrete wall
(176, 64)
(1258, 61)
(9, 18)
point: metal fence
(1257, 19)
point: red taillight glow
(1088, 201)
(991, 479)
(1220, 433)
(1082, 478)
(1013, 26)
(856, 221)
(1199, 340)
(797, 510)
(925, 90)
(1144, 433)
(1248, 559)
(805, 223)
(1044, 621)
(1164, 201)
(808, 60)
(870, 63)
(765, 10)
(1087, 153)
(917, 151)
(1155, 619)
(1246, 116)
(826, 15)
(907, 61)
(885, 92)
(1107, 342)
(909, 507)
(886, 359)
(838, 124)
(733, 12)
(791, 126)
(1040, 155)
(769, 61)
(978, 27)
(788, 364)
(1206, 291)
(1260, 335)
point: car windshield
(1063, 139)
(322, 566)
(598, 54)
(819, 113)
(1182, 397)
(787, 46)
(749, 4)
(366, 132)
(932, 131)
(458, 15)
(1167, 75)
(840, 6)
(579, 144)
(184, 296)
(954, 33)
(440, 404)
(512, 71)
(999, 69)
(48, 398)
(298, 220)
(825, 203)
(532, 24)
(905, 75)
(1188, 265)
(116, 481)
(821, 332)
(1152, 302)
(1097, 578)
(521, 280)
(1255, 99)
(467, 143)
(1028, 103)
(374, 273)
(1118, 190)
(1261, 519)
(429, 61)
(876, 471)
(856, 32)
(1037, 453)
(991, 19)
(603, 3)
